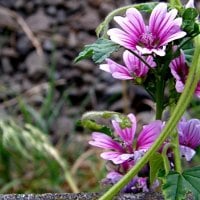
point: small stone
(72, 40)
(19, 4)
(30, 7)
(35, 65)
(63, 125)
(117, 106)
(95, 4)
(89, 78)
(105, 8)
(7, 3)
(24, 45)
(51, 10)
(6, 65)
(53, 2)
(48, 45)
(39, 21)
(85, 65)
(90, 20)
(61, 16)
(114, 89)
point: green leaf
(156, 163)
(188, 50)
(189, 18)
(190, 14)
(146, 7)
(99, 51)
(94, 126)
(176, 185)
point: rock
(51, 10)
(19, 4)
(73, 6)
(63, 125)
(35, 65)
(61, 16)
(53, 2)
(117, 106)
(85, 65)
(39, 21)
(29, 7)
(72, 40)
(105, 9)
(24, 45)
(95, 4)
(8, 22)
(84, 38)
(114, 89)
(6, 65)
(82, 196)
(7, 3)
(48, 45)
(89, 78)
(90, 20)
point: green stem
(175, 137)
(179, 110)
(160, 86)
(177, 156)
(165, 157)
(175, 3)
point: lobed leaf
(176, 185)
(98, 51)
(156, 164)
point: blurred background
(43, 95)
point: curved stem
(165, 158)
(182, 104)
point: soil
(60, 28)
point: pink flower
(189, 137)
(179, 70)
(121, 150)
(163, 28)
(133, 68)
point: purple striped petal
(149, 134)
(126, 134)
(103, 141)
(118, 71)
(189, 133)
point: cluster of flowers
(124, 150)
(143, 44)
(147, 42)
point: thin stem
(182, 104)
(175, 137)
(186, 41)
(177, 156)
(165, 157)
(140, 58)
(175, 3)
(160, 85)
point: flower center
(146, 40)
